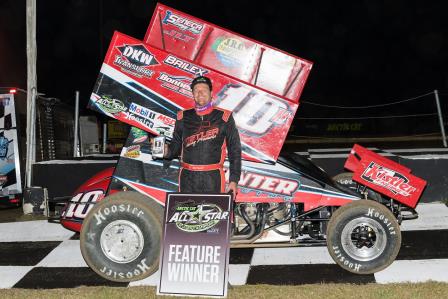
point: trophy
(158, 147)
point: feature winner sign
(195, 255)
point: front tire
(121, 235)
(363, 237)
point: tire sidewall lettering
(140, 267)
(369, 211)
(103, 213)
(383, 220)
(346, 260)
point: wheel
(346, 180)
(120, 237)
(363, 237)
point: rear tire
(121, 236)
(363, 237)
(346, 179)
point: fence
(414, 117)
(54, 130)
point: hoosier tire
(363, 237)
(121, 235)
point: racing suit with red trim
(201, 140)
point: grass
(323, 291)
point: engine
(258, 220)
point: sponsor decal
(3, 179)
(166, 120)
(141, 120)
(4, 142)
(194, 218)
(132, 152)
(141, 115)
(178, 84)
(182, 23)
(201, 136)
(141, 139)
(138, 135)
(138, 55)
(165, 131)
(162, 124)
(179, 35)
(229, 51)
(110, 105)
(263, 184)
(82, 203)
(185, 66)
(135, 59)
(142, 111)
(394, 181)
(255, 113)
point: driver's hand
(151, 143)
(232, 187)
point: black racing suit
(201, 141)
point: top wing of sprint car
(148, 92)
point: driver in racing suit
(201, 137)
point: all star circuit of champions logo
(109, 104)
(194, 218)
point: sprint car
(283, 199)
(293, 202)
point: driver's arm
(174, 149)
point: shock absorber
(293, 238)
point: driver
(201, 137)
